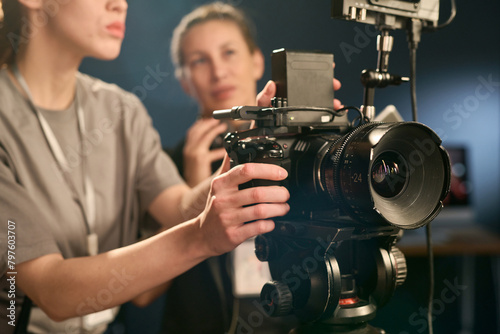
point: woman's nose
(219, 69)
(117, 5)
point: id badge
(249, 274)
(92, 244)
(94, 320)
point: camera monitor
(387, 13)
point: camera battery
(303, 79)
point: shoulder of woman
(97, 86)
(98, 91)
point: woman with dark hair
(79, 165)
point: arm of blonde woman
(66, 288)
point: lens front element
(389, 174)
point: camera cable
(453, 13)
(415, 29)
(414, 35)
(361, 118)
(331, 111)
(430, 255)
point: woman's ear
(258, 64)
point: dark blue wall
(454, 68)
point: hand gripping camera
(353, 189)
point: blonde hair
(214, 11)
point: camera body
(337, 170)
(333, 174)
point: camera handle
(380, 78)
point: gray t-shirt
(125, 162)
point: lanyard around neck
(88, 211)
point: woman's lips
(116, 29)
(223, 93)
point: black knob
(264, 248)
(277, 298)
(399, 263)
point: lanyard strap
(89, 211)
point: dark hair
(214, 11)
(10, 30)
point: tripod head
(333, 279)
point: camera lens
(394, 173)
(389, 174)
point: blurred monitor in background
(460, 186)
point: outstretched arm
(66, 288)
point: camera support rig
(333, 258)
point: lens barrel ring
(335, 165)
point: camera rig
(354, 186)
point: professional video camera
(355, 184)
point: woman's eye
(198, 61)
(229, 52)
